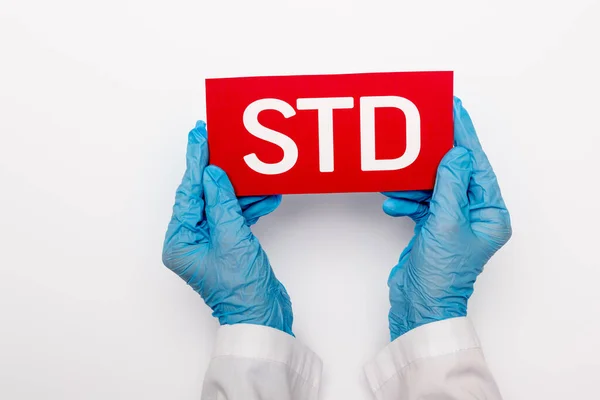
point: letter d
(367, 133)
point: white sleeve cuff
(268, 344)
(430, 340)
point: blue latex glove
(458, 228)
(209, 244)
(254, 207)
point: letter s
(290, 150)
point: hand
(209, 244)
(458, 228)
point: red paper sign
(330, 133)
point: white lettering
(325, 107)
(367, 133)
(290, 150)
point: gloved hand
(209, 244)
(458, 228)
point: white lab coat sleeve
(252, 362)
(437, 361)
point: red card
(330, 133)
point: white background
(97, 97)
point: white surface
(96, 99)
